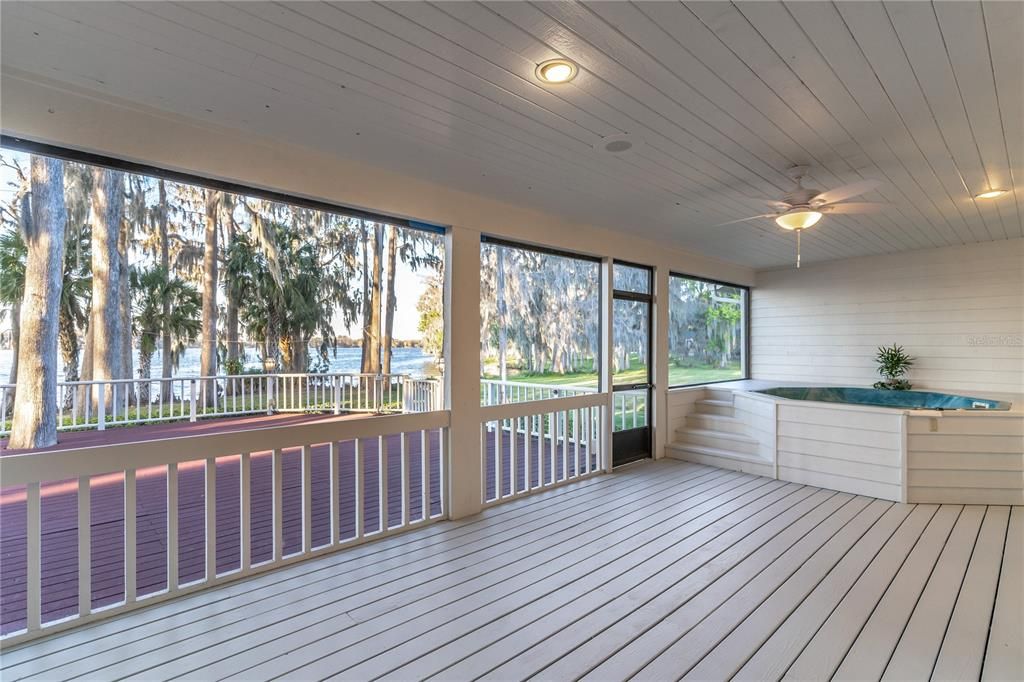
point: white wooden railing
(529, 446)
(629, 407)
(32, 477)
(123, 402)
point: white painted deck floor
(660, 571)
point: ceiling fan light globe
(799, 219)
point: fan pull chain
(798, 248)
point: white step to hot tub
(715, 422)
(724, 440)
(711, 406)
(718, 394)
(719, 457)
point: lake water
(412, 361)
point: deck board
(667, 569)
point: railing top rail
(552, 387)
(525, 409)
(59, 465)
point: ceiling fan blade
(845, 192)
(743, 220)
(855, 207)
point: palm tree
(13, 254)
(76, 290)
(151, 289)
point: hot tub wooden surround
(925, 456)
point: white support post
(657, 408)
(462, 370)
(608, 418)
(192, 400)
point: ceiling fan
(802, 207)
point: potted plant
(893, 365)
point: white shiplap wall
(958, 310)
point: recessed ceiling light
(798, 219)
(556, 71)
(991, 194)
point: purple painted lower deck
(60, 519)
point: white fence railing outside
(629, 408)
(417, 439)
(123, 402)
(528, 446)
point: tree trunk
(106, 210)
(69, 355)
(166, 358)
(502, 318)
(35, 405)
(12, 378)
(86, 369)
(365, 348)
(145, 368)
(371, 329)
(127, 364)
(392, 300)
(208, 351)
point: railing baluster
(84, 546)
(484, 478)
(425, 469)
(277, 503)
(403, 440)
(334, 452)
(553, 432)
(527, 454)
(442, 468)
(512, 464)
(499, 488)
(359, 485)
(245, 513)
(565, 445)
(382, 481)
(130, 542)
(172, 527)
(307, 498)
(576, 442)
(33, 541)
(211, 518)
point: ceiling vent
(617, 144)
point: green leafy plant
(893, 364)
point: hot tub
(906, 400)
(904, 446)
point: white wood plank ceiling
(926, 97)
